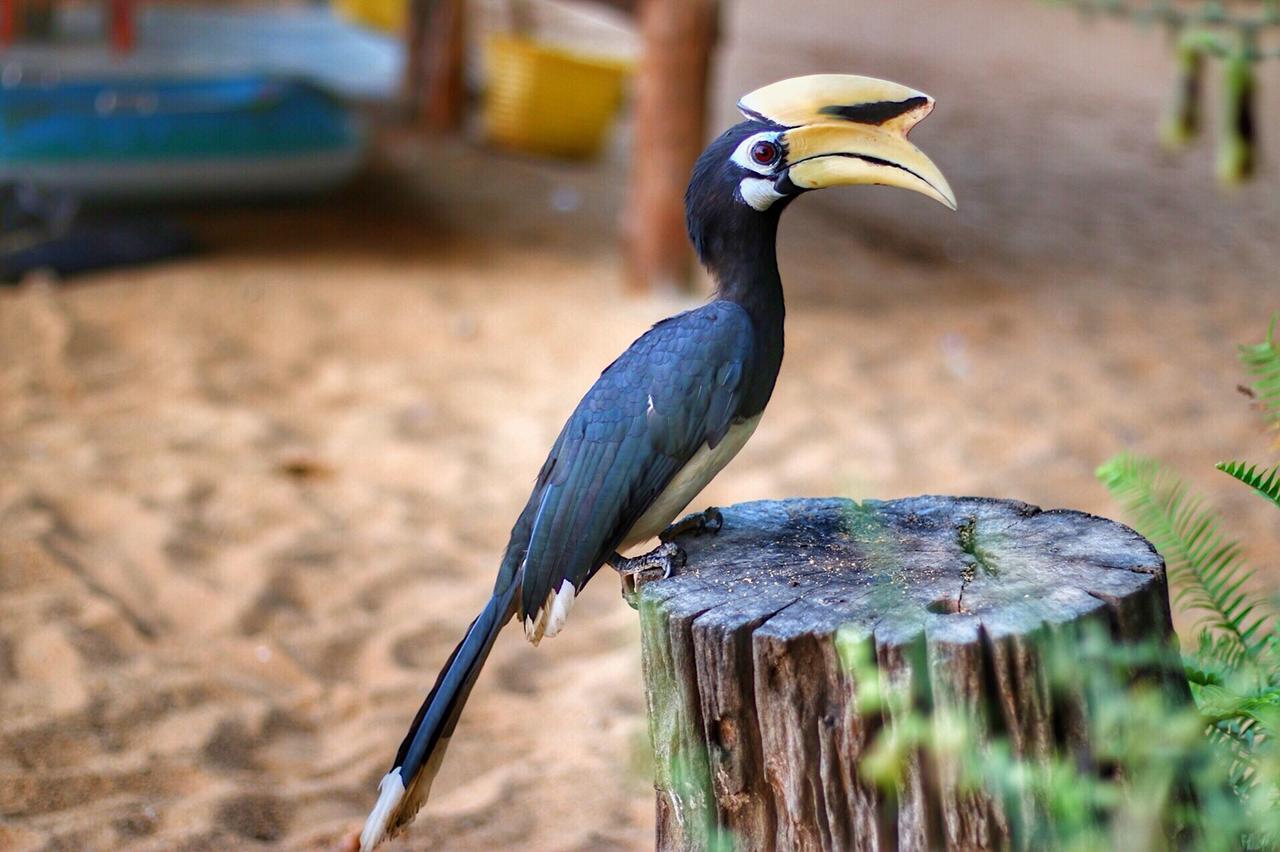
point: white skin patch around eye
(758, 192)
(742, 154)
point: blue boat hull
(179, 139)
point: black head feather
(731, 237)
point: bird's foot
(707, 522)
(657, 564)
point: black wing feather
(675, 389)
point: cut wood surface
(754, 721)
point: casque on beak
(845, 129)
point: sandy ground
(249, 502)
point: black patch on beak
(874, 113)
(783, 185)
(753, 115)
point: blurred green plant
(1150, 772)
(1237, 33)
(1234, 670)
(1148, 778)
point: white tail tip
(390, 793)
(559, 609)
(550, 618)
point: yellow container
(388, 15)
(548, 100)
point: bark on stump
(756, 730)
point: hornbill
(673, 409)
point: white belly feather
(686, 485)
(689, 482)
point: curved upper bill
(847, 129)
(837, 97)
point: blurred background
(298, 296)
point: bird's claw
(707, 522)
(712, 521)
(645, 569)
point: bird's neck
(758, 289)
(744, 263)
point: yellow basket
(549, 100)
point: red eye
(765, 153)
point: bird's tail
(404, 789)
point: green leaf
(1200, 675)
(1220, 704)
(1265, 482)
(1262, 362)
(1204, 565)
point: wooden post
(752, 707)
(670, 129)
(434, 89)
(122, 31)
(10, 21)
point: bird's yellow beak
(844, 129)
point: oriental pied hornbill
(667, 415)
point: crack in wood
(967, 538)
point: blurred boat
(185, 41)
(178, 138)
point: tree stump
(756, 730)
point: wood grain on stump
(754, 721)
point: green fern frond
(1220, 704)
(1217, 660)
(1265, 482)
(1238, 742)
(1262, 362)
(1207, 567)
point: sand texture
(249, 502)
